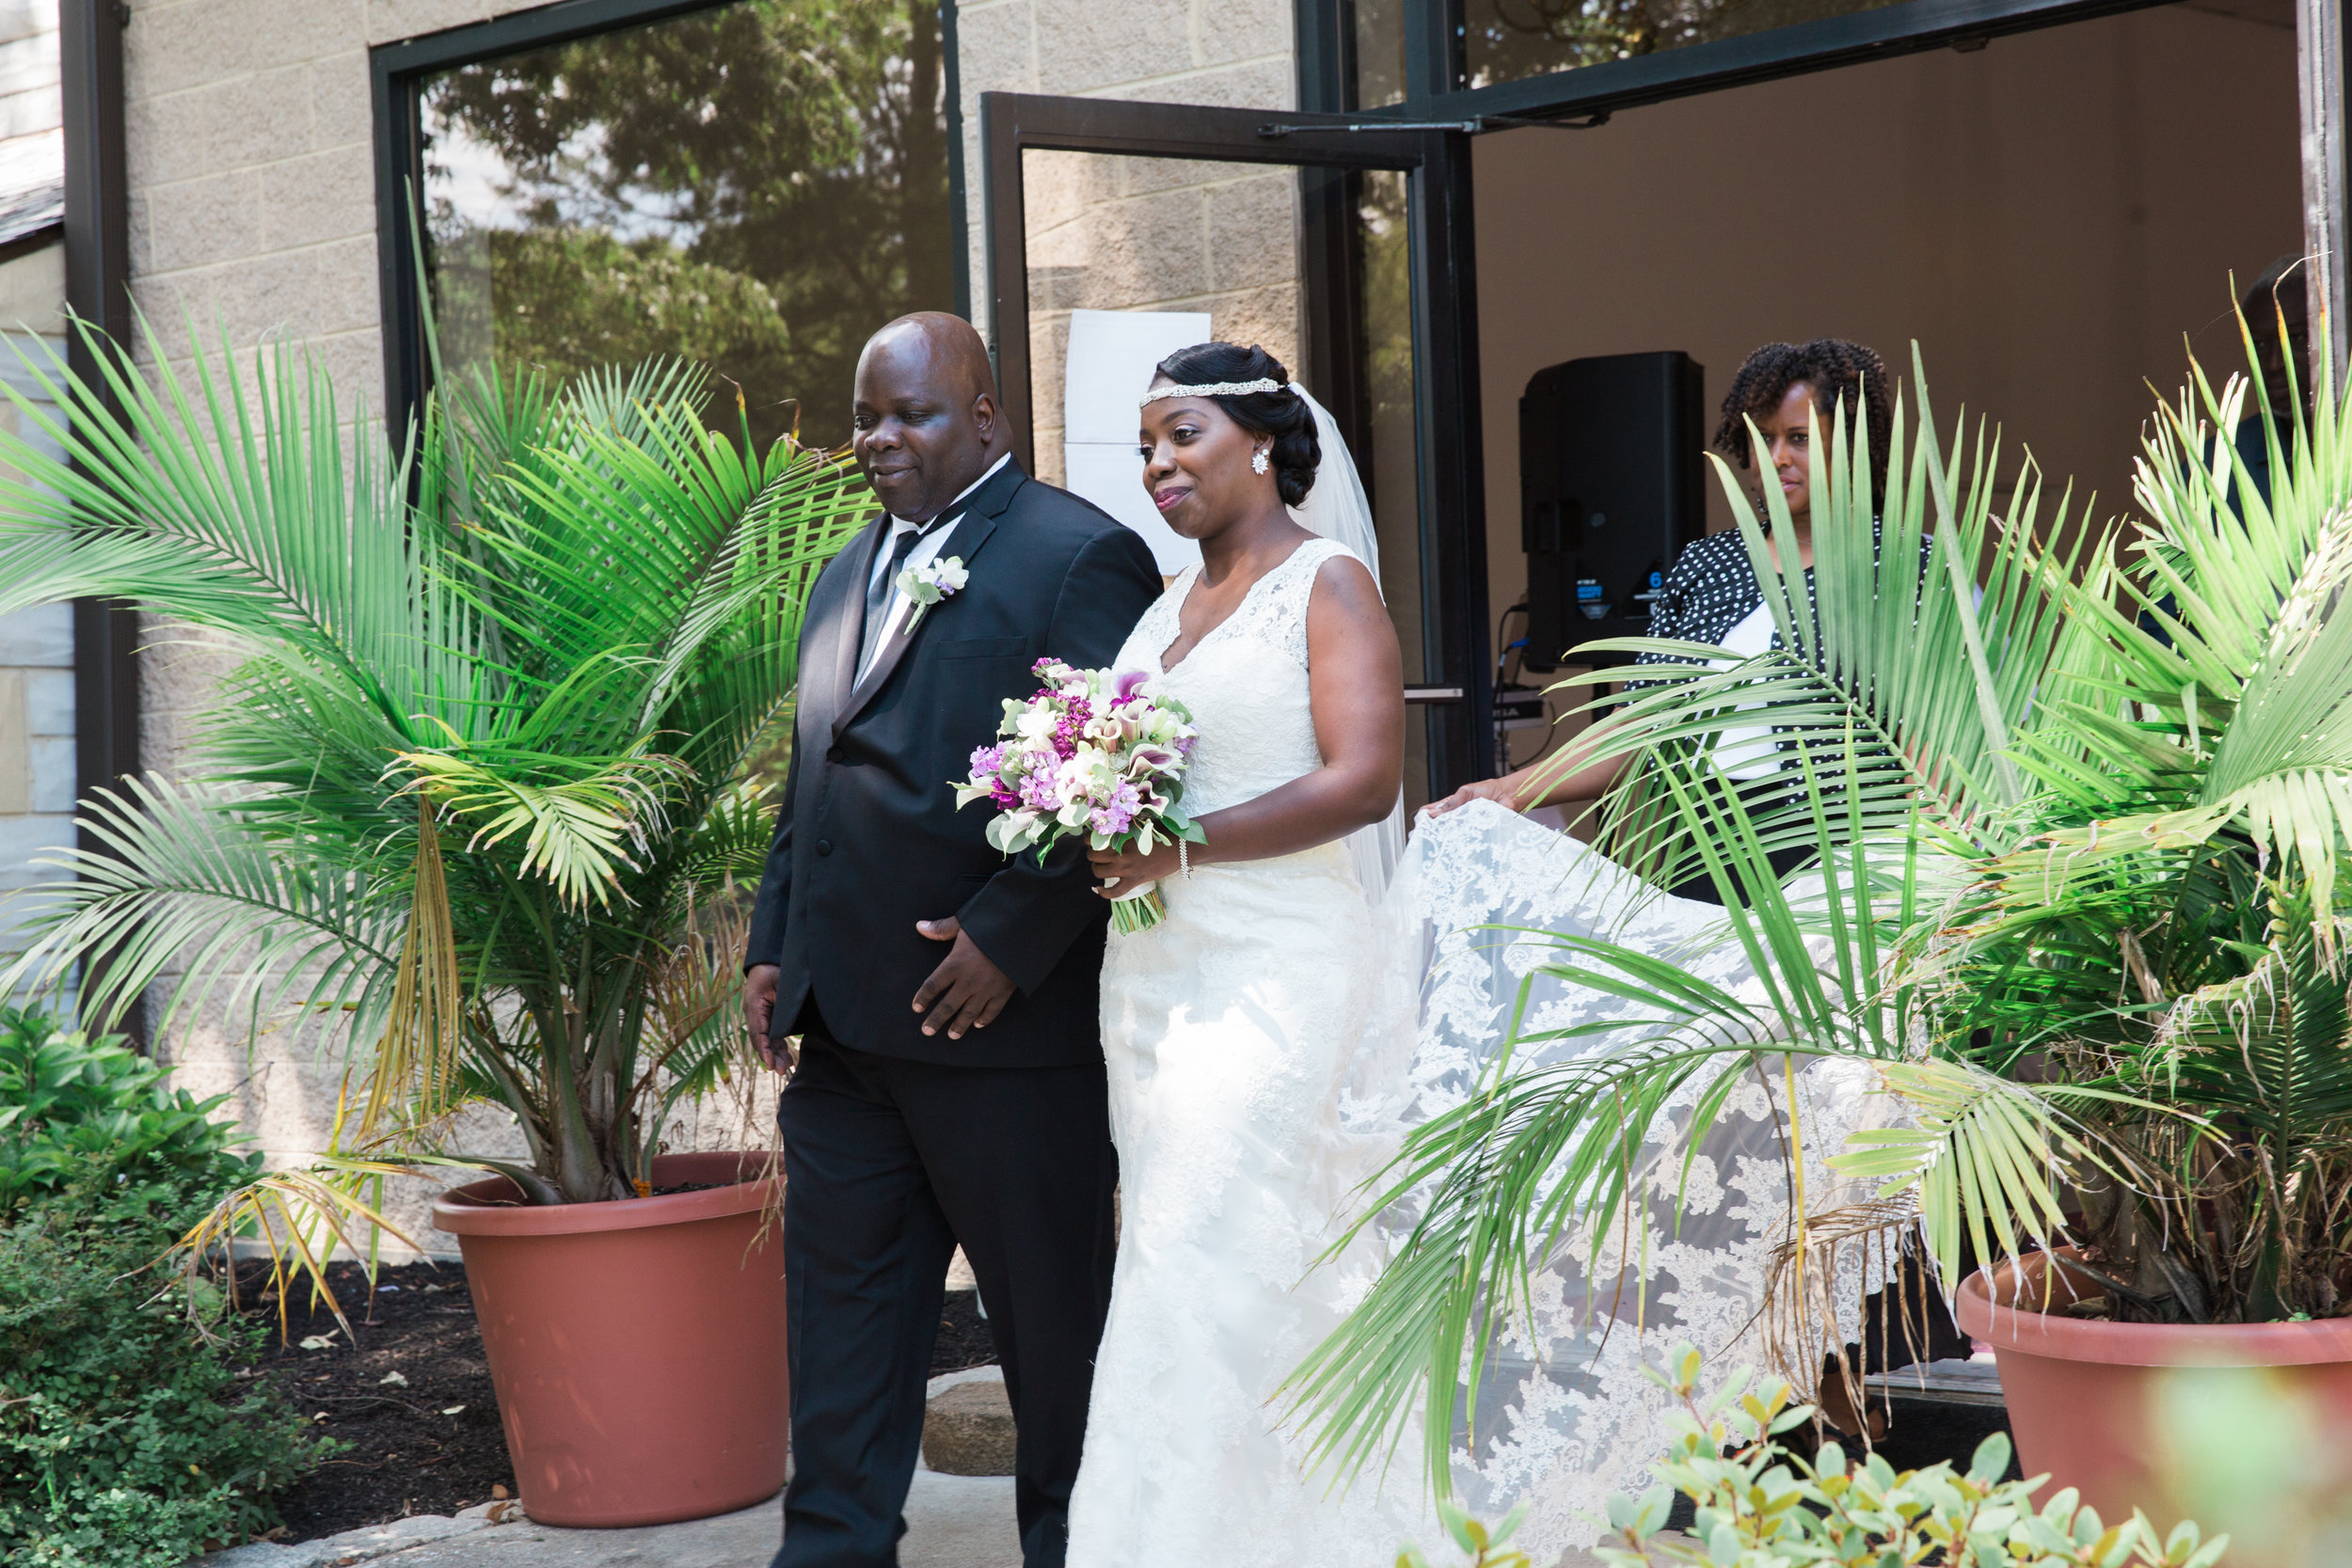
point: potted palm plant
(472, 812)
(2075, 816)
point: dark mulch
(963, 1338)
(405, 1454)
(1923, 1432)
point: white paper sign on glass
(1112, 355)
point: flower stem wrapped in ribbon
(1089, 756)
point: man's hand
(966, 991)
(759, 1007)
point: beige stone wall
(1154, 234)
(37, 747)
(1136, 233)
(36, 750)
(32, 134)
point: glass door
(1114, 226)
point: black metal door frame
(1452, 690)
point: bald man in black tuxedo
(949, 1082)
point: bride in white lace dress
(1228, 1025)
(1269, 1039)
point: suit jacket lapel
(831, 668)
(970, 532)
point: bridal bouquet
(1089, 755)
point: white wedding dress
(1268, 1043)
(1227, 1028)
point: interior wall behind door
(2047, 216)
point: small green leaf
(1991, 1461)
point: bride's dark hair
(1282, 415)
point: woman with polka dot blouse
(1712, 595)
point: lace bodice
(1246, 681)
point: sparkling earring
(1257, 461)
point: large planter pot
(638, 1347)
(2242, 1427)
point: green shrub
(127, 1439)
(73, 1109)
(1760, 1506)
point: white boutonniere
(928, 583)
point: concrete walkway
(952, 1522)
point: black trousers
(888, 1164)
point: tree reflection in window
(1504, 40)
(757, 187)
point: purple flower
(1117, 813)
(1036, 792)
(1114, 816)
(1127, 684)
(987, 761)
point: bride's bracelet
(1183, 858)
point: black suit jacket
(868, 839)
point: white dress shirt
(926, 550)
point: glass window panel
(1503, 41)
(1390, 462)
(755, 187)
(1379, 35)
(1120, 233)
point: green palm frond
(2075, 815)
(181, 879)
(1540, 1154)
(2274, 1045)
(478, 774)
(262, 534)
(1985, 1160)
(580, 818)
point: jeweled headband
(1213, 389)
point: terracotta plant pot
(2242, 1427)
(637, 1347)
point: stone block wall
(37, 747)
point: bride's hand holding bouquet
(1090, 755)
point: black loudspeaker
(1610, 477)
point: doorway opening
(2048, 217)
